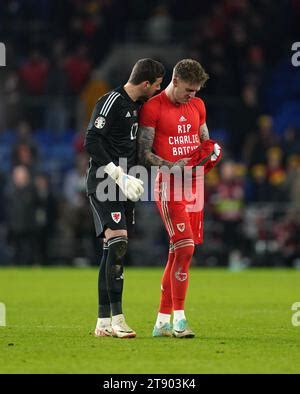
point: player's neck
(170, 94)
(132, 91)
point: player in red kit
(172, 127)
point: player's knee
(184, 248)
(109, 233)
(188, 252)
(118, 247)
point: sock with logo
(183, 251)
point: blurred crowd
(51, 84)
(55, 49)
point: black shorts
(116, 215)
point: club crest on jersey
(116, 216)
(181, 227)
(181, 276)
(100, 122)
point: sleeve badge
(100, 122)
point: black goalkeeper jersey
(111, 133)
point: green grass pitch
(242, 321)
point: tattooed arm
(146, 156)
(145, 141)
(203, 132)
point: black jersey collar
(123, 92)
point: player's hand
(180, 163)
(217, 151)
(131, 187)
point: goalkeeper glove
(130, 186)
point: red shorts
(179, 222)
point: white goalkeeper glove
(130, 186)
(216, 154)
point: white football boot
(120, 328)
(103, 328)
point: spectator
(293, 179)
(34, 74)
(74, 183)
(45, 217)
(260, 141)
(260, 189)
(276, 175)
(21, 202)
(57, 114)
(291, 141)
(78, 69)
(158, 27)
(286, 232)
(245, 120)
(228, 205)
(12, 98)
(25, 150)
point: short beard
(143, 99)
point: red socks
(175, 278)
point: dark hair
(146, 70)
(190, 70)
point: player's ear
(175, 82)
(146, 84)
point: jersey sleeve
(104, 114)
(149, 113)
(202, 111)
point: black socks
(110, 281)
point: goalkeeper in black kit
(111, 140)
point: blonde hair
(191, 71)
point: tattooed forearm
(154, 160)
(204, 134)
(146, 156)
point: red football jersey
(176, 125)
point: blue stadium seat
(62, 156)
(220, 135)
(289, 115)
(43, 137)
(5, 157)
(282, 91)
(7, 137)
